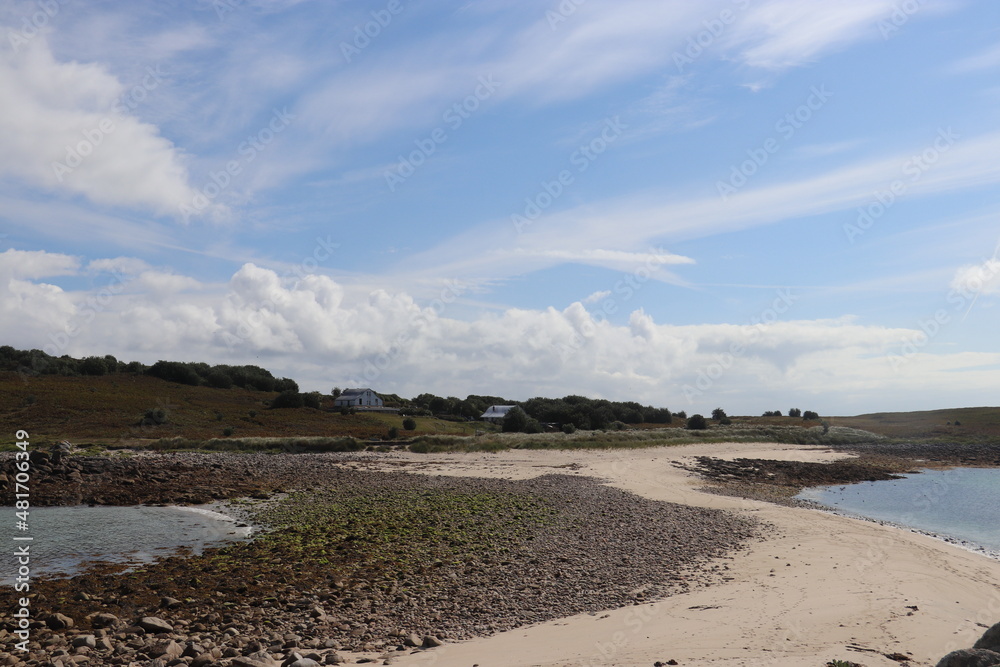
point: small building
(496, 413)
(359, 398)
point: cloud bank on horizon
(749, 204)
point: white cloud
(60, 130)
(597, 296)
(314, 330)
(32, 264)
(982, 278)
(986, 59)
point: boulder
(990, 639)
(85, 640)
(431, 641)
(104, 620)
(154, 625)
(974, 657)
(59, 622)
(168, 650)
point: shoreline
(815, 587)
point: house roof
(355, 392)
(497, 411)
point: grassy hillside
(956, 424)
(109, 410)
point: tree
(94, 366)
(288, 399)
(336, 392)
(718, 414)
(809, 414)
(696, 423)
(514, 421)
(794, 412)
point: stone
(104, 620)
(168, 650)
(248, 661)
(303, 662)
(431, 642)
(203, 660)
(59, 622)
(412, 639)
(170, 603)
(975, 657)
(333, 659)
(154, 625)
(990, 639)
(85, 640)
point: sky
(747, 204)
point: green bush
(515, 421)
(288, 399)
(311, 400)
(393, 432)
(569, 429)
(228, 431)
(696, 423)
(154, 417)
(410, 424)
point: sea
(960, 504)
(64, 539)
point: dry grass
(108, 410)
(976, 424)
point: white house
(496, 413)
(358, 398)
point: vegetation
(696, 423)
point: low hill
(110, 410)
(955, 424)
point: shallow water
(962, 503)
(64, 538)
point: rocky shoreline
(357, 564)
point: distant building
(359, 398)
(496, 413)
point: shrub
(410, 424)
(533, 426)
(154, 417)
(94, 366)
(393, 432)
(219, 380)
(725, 421)
(718, 414)
(514, 421)
(794, 412)
(252, 413)
(311, 400)
(288, 399)
(569, 429)
(617, 426)
(809, 414)
(228, 431)
(696, 423)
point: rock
(85, 640)
(203, 660)
(975, 657)
(412, 639)
(431, 642)
(256, 660)
(168, 650)
(303, 662)
(170, 603)
(59, 622)
(154, 625)
(333, 659)
(990, 639)
(104, 620)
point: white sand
(815, 587)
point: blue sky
(754, 204)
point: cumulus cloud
(982, 278)
(66, 127)
(312, 329)
(30, 264)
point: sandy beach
(818, 588)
